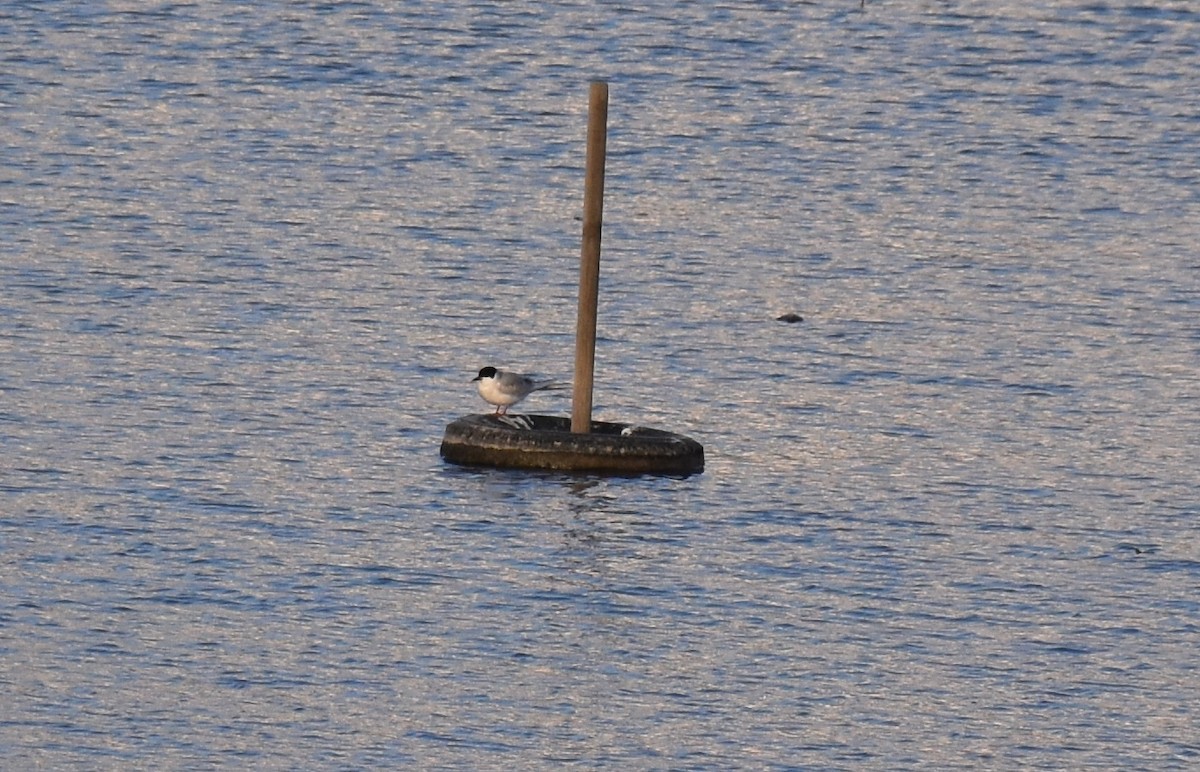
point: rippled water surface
(253, 254)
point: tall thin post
(589, 260)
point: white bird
(504, 389)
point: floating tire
(547, 442)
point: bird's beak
(475, 378)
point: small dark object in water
(790, 318)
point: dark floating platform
(546, 442)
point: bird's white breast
(491, 391)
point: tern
(504, 389)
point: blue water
(253, 254)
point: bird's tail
(550, 386)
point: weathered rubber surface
(548, 443)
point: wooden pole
(589, 261)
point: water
(252, 256)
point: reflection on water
(253, 257)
